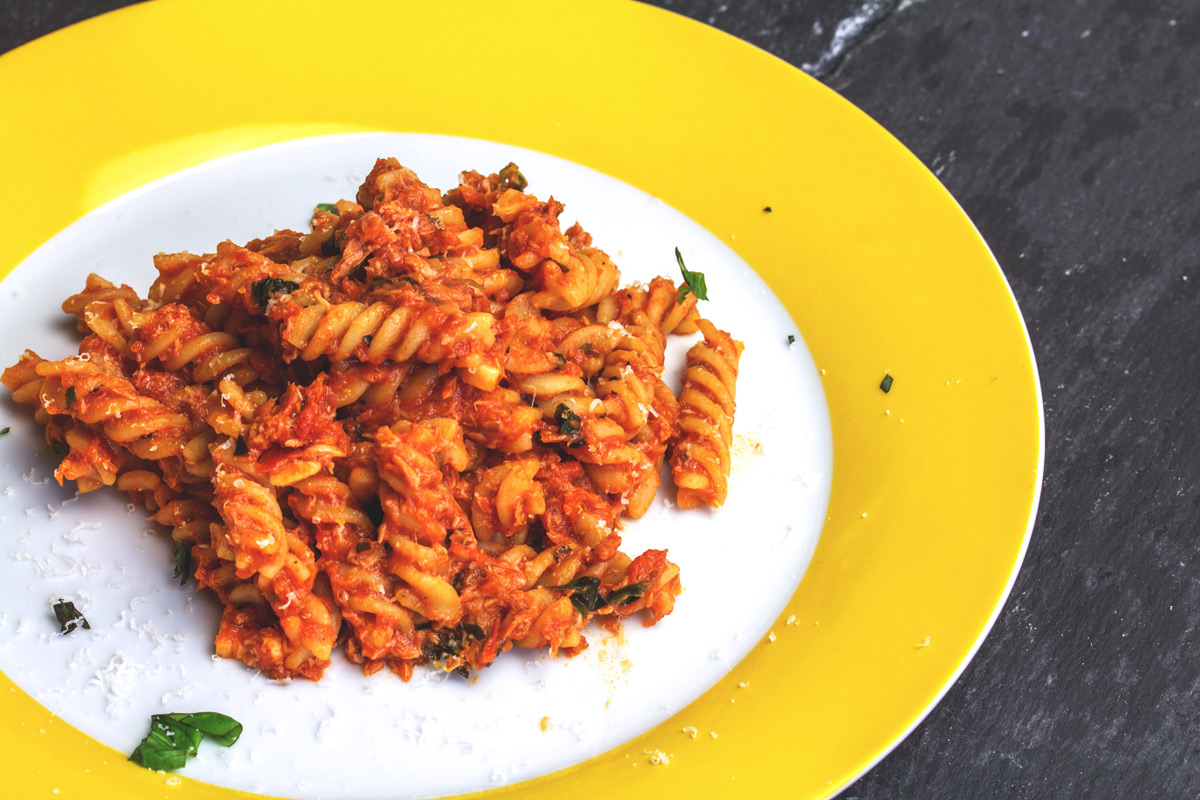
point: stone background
(1069, 130)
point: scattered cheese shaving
(659, 758)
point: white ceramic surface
(150, 646)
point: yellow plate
(935, 483)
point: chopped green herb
(693, 281)
(568, 421)
(626, 594)
(886, 384)
(586, 597)
(262, 291)
(60, 448)
(511, 178)
(561, 358)
(71, 395)
(68, 617)
(174, 737)
(585, 594)
(329, 207)
(183, 562)
(791, 339)
(4, 431)
(766, 209)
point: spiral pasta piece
(23, 380)
(403, 328)
(505, 500)
(354, 562)
(97, 289)
(172, 337)
(661, 304)
(631, 372)
(419, 512)
(700, 458)
(94, 395)
(90, 460)
(252, 535)
(580, 280)
(261, 546)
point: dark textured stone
(1069, 133)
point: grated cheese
(659, 758)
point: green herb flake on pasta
(511, 178)
(568, 421)
(585, 594)
(183, 561)
(626, 594)
(262, 291)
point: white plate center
(150, 647)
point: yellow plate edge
(265, 133)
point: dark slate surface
(1070, 133)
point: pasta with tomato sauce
(412, 432)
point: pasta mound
(412, 432)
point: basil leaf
(158, 758)
(585, 594)
(174, 737)
(4, 431)
(694, 281)
(69, 617)
(71, 395)
(262, 291)
(180, 736)
(329, 207)
(626, 594)
(886, 384)
(183, 562)
(220, 728)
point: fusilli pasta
(412, 432)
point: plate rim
(699, 32)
